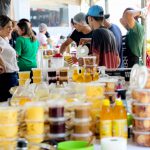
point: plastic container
(8, 143)
(56, 109)
(35, 128)
(82, 137)
(22, 81)
(57, 127)
(141, 124)
(37, 72)
(89, 60)
(141, 95)
(37, 80)
(34, 111)
(8, 131)
(35, 138)
(75, 145)
(8, 115)
(141, 138)
(82, 111)
(57, 62)
(24, 75)
(57, 137)
(141, 109)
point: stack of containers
(56, 120)
(23, 77)
(51, 76)
(141, 106)
(82, 123)
(34, 118)
(63, 75)
(36, 75)
(8, 127)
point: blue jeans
(7, 80)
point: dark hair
(95, 18)
(72, 22)
(4, 20)
(27, 30)
(24, 20)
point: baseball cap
(97, 11)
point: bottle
(75, 75)
(22, 144)
(119, 120)
(87, 77)
(96, 76)
(106, 119)
(80, 77)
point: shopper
(8, 63)
(26, 48)
(103, 41)
(134, 37)
(82, 30)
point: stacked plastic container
(23, 77)
(8, 127)
(37, 75)
(82, 123)
(57, 130)
(141, 105)
(34, 118)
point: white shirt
(8, 55)
(42, 38)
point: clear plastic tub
(89, 60)
(35, 138)
(8, 131)
(24, 75)
(22, 81)
(141, 124)
(37, 79)
(57, 62)
(142, 138)
(8, 143)
(37, 72)
(8, 115)
(35, 128)
(34, 111)
(141, 109)
(141, 95)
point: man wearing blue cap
(103, 41)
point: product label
(119, 128)
(105, 128)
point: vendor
(8, 63)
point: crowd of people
(19, 44)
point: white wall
(22, 10)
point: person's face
(6, 30)
(78, 27)
(20, 32)
(90, 22)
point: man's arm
(65, 44)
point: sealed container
(8, 143)
(57, 127)
(57, 62)
(8, 131)
(56, 109)
(89, 60)
(82, 137)
(37, 79)
(141, 124)
(24, 75)
(35, 138)
(81, 127)
(141, 95)
(58, 137)
(34, 111)
(35, 128)
(141, 109)
(142, 138)
(37, 72)
(83, 110)
(22, 81)
(8, 115)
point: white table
(130, 146)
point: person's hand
(84, 41)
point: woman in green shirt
(26, 48)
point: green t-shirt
(27, 53)
(135, 39)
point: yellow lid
(106, 102)
(119, 102)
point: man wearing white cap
(82, 30)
